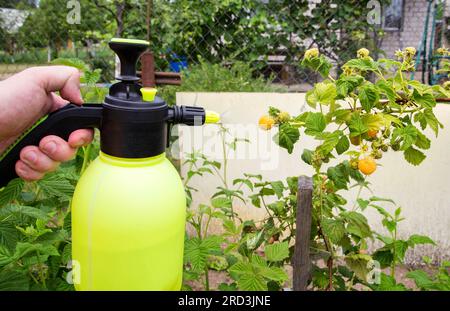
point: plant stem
(86, 156)
(206, 278)
(394, 260)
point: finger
(57, 148)
(56, 102)
(64, 79)
(37, 160)
(27, 173)
(80, 138)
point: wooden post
(301, 260)
(148, 69)
(152, 78)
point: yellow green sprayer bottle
(128, 210)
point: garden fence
(270, 35)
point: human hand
(24, 99)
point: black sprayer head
(128, 51)
(133, 122)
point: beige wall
(422, 191)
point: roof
(11, 19)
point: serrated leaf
(11, 191)
(357, 224)
(421, 278)
(407, 135)
(319, 64)
(368, 96)
(23, 210)
(339, 175)
(323, 93)
(330, 142)
(277, 251)
(278, 188)
(387, 90)
(71, 62)
(357, 126)
(362, 64)
(347, 84)
(416, 239)
(414, 156)
(334, 229)
(422, 141)
(343, 145)
(373, 121)
(54, 185)
(287, 136)
(221, 202)
(11, 280)
(359, 263)
(315, 123)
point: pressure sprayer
(128, 209)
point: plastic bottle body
(128, 225)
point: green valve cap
(148, 94)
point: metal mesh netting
(270, 35)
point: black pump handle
(60, 123)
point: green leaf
(422, 141)
(11, 191)
(13, 281)
(347, 84)
(323, 93)
(357, 126)
(407, 135)
(221, 202)
(368, 96)
(386, 90)
(278, 188)
(315, 123)
(416, 239)
(384, 257)
(339, 175)
(388, 283)
(425, 100)
(362, 64)
(71, 62)
(319, 64)
(343, 145)
(357, 224)
(24, 211)
(277, 251)
(421, 278)
(414, 156)
(274, 273)
(55, 185)
(334, 229)
(287, 136)
(359, 263)
(307, 156)
(248, 277)
(373, 121)
(196, 251)
(330, 142)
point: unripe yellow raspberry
(312, 53)
(363, 53)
